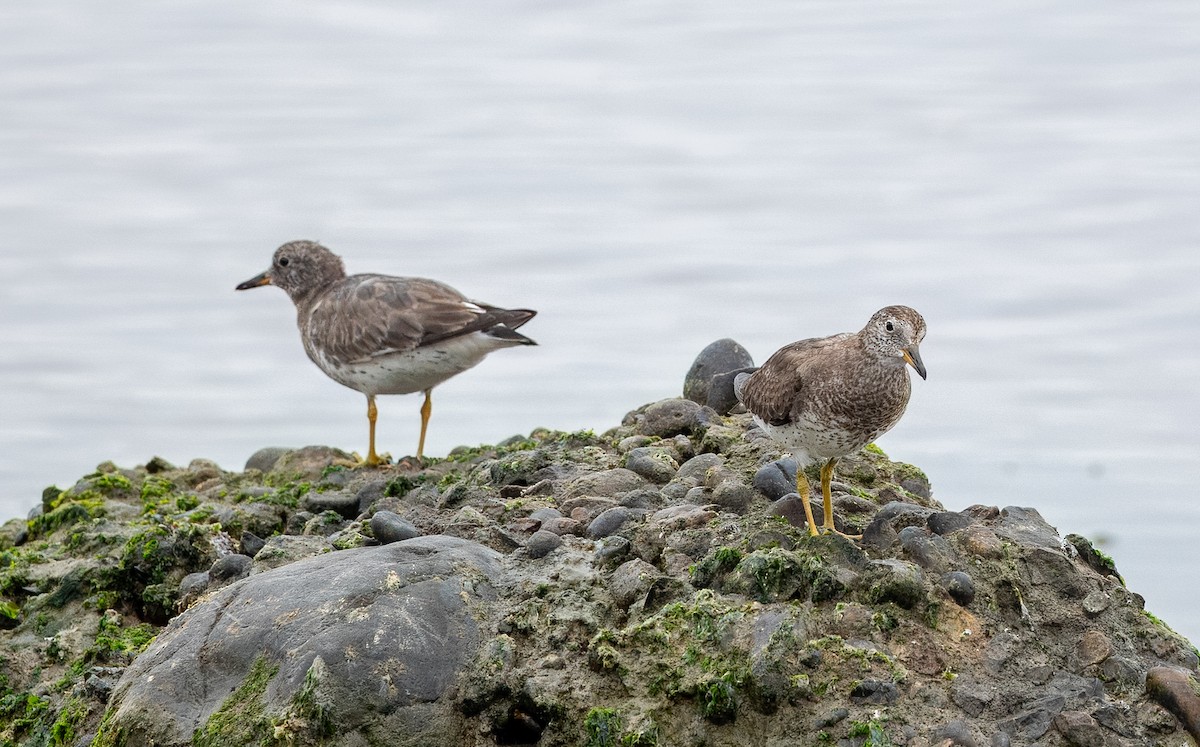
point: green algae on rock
(697, 613)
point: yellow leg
(372, 458)
(826, 477)
(426, 410)
(802, 489)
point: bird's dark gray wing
(371, 315)
(774, 391)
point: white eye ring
(890, 327)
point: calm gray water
(650, 176)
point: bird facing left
(379, 334)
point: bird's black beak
(256, 281)
(912, 356)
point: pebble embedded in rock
(563, 525)
(1176, 691)
(694, 470)
(791, 508)
(541, 543)
(927, 550)
(832, 718)
(971, 696)
(585, 509)
(631, 580)
(896, 581)
(653, 463)
(777, 479)
(1095, 603)
(733, 495)
(954, 734)
(717, 357)
(192, 586)
(670, 416)
(980, 542)
(344, 504)
(602, 484)
(388, 527)
(546, 513)
(230, 568)
(251, 543)
(611, 550)
(296, 522)
(264, 459)
(609, 522)
(948, 522)
(960, 586)
(1093, 648)
(1079, 729)
(875, 692)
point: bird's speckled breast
(841, 417)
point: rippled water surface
(650, 177)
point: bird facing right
(824, 398)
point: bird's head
(895, 333)
(299, 267)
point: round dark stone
(733, 495)
(722, 394)
(791, 508)
(777, 479)
(295, 523)
(875, 692)
(671, 416)
(388, 527)
(345, 504)
(542, 543)
(546, 513)
(251, 543)
(960, 586)
(653, 463)
(264, 460)
(946, 522)
(833, 717)
(612, 550)
(230, 567)
(954, 734)
(718, 357)
(609, 522)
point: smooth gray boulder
(370, 638)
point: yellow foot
(831, 530)
(373, 460)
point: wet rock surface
(654, 584)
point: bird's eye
(890, 327)
(283, 262)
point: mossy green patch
(603, 727)
(307, 719)
(774, 574)
(872, 730)
(242, 718)
(717, 698)
(66, 726)
(23, 717)
(714, 565)
(109, 483)
(83, 507)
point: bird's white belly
(811, 441)
(412, 370)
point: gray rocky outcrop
(652, 584)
